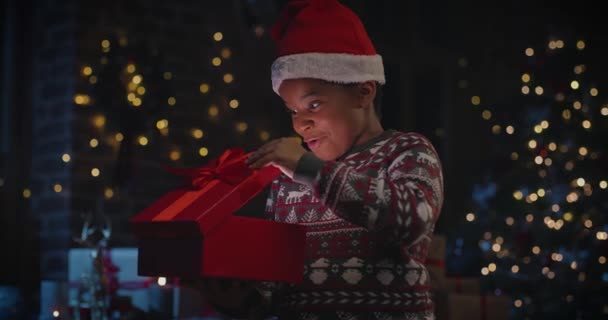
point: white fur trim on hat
(333, 67)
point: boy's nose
(303, 124)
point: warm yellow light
(203, 152)
(87, 71)
(213, 111)
(515, 268)
(518, 195)
(601, 260)
(264, 135)
(137, 79)
(577, 105)
(99, 121)
(587, 124)
(603, 184)
(136, 102)
(95, 172)
(517, 303)
(162, 281)
(510, 130)
(93, 143)
(560, 97)
(204, 88)
(82, 99)
(228, 78)
(241, 127)
(588, 223)
(583, 151)
(529, 52)
(475, 100)
(225, 53)
(532, 144)
(171, 101)
(216, 61)
(559, 44)
(492, 267)
(57, 188)
(538, 128)
(105, 44)
(539, 90)
(108, 193)
(536, 249)
(604, 111)
(496, 129)
(142, 140)
(234, 103)
(486, 114)
(162, 124)
(574, 84)
(568, 216)
(197, 133)
(167, 75)
(119, 137)
(130, 68)
(65, 157)
(485, 271)
(218, 36)
(566, 114)
(93, 79)
(141, 91)
(514, 156)
(525, 77)
(496, 247)
(509, 221)
(601, 235)
(580, 44)
(580, 182)
(552, 146)
(56, 314)
(529, 217)
(175, 155)
(593, 91)
(131, 96)
(470, 217)
(525, 89)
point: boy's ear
(367, 92)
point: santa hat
(322, 39)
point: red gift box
(194, 231)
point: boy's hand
(283, 153)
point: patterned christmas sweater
(370, 216)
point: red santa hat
(323, 39)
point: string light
(485, 271)
(162, 281)
(510, 130)
(197, 133)
(93, 143)
(87, 71)
(470, 217)
(203, 152)
(475, 100)
(142, 140)
(529, 52)
(171, 101)
(241, 127)
(525, 89)
(225, 53)
(167, 75)
(175, 155)
(486, 114)
(234, 103)
(218, 36)
(119, 137)
(228, 78)
(525, 77)
(580, 44)
(604, 111)
(216, 61)
(213, 111)
(130, 68)
(108, 193)
(66, 158)
(204, 88)
(82, 99)
(264, 135)
(95, 172)
(603, 184)
(539, 90)
(99, 121)
(601, 235)
(574, 84)
(27, 193)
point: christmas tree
(538, 217)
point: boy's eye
(314, 105)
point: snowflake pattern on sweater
(370, 216)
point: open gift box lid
(195, 231)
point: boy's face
(329, 117)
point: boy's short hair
(377, 99)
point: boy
(369, 197)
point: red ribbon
(229, 167)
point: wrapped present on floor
(199, 231)
(454, 306)
(435, 262)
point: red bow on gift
(230, 167)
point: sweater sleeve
(402, 205)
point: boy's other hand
(283, 153)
